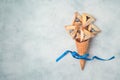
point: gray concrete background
(32, 36)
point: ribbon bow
(84, 57)
(82, 27)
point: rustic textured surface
(32, 36)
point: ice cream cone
(82, 30)
(82, 48)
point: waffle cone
(82, 48)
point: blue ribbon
(84, 57)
